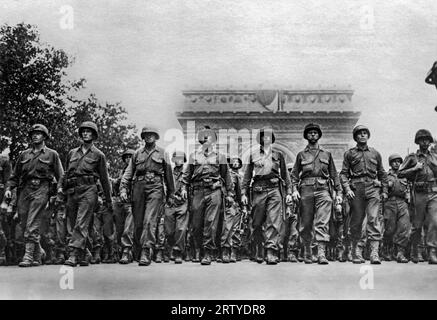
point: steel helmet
(89, 125)
(312, 126)
(393, 157)
(422, 133)
(150, 130)
(40, 128)
(359, 128)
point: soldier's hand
(384, 196)
(418, 166)
(8, 194)
(123, 196)
(15, 217)
(244, 200)
(288, 199)
(296, 196)
(184, 194)
(350, 194)
(338, 200)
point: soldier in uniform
(208, 174)
(86, 165)
(148, 171)
(5, 172)
(230, 237)
(313, 169)
(270, 180)
(396, 215)
(238, 230)
(420, 168)
(33, 173)
(361, 166)
(124, 222)
(176, 214)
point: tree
(33, 88)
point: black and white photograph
(218, 154)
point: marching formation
(206, 207)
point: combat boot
(271, 257)
(400, 257)
(85, 258)
(112, 255)
(259, 255)
(38, 255)
(28, 255)
(188, 256)
(291, 257)
(357, 253)
(340, 255)
(196, 257)
(2, 257)
(126, 256)
(314, 254)
(386, 252)
(307, 254)
(226, 258)
(158, 257)
(145, 258)
(432, 255)
(206, 260)
(233, 257)
(349, 253)
(51, 256)
(414, 255)
(96, 258)
(166, 257)
(72, 258)
(374, 255)
(60, 258)
(177, 257)
(420, 254)
(321, 249)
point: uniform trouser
(238, 230)
(315, 209)
(3, 224)
(80, 209)
(425, 215)
(230, 225)
(175, 226)
(31, 204)
(365, 205)
(289, 234)
(396, 222)
(124, 224)
(147, 209)
(267, 208)
(48, 229)
(103, 231)
(336, 231)
(205, 208)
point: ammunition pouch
(316, 182)
(149, 177)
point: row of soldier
(203, 209)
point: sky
(144, 53)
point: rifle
(243, 219)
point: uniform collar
(154, 149)
(392, 172)
(43, 150)
(365, 148)
(308, 148)
(419, 152)
(91, 149)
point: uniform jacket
(44, 165)
(427, 174)
(5, 170)
(398, 187)
(363, 162)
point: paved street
(244, 280)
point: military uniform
(270, 177)
(5, 172)
(148, 172)
(424, 197)
(83, 171)
(362, 165)
(124, 223)
(312, 173)
(176, 219)
(396, 215)
(33, 173)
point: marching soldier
(270, 179)
(208, 174)
(396, 215)
(420, 168)
(148, 171)
(124, 222)
(176, 214)
(230, 236)
(34, 171)
(86, 165)
(5, 172)
(362, 165)
(313, 169)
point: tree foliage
(34, 89)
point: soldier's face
(87, 135)
(424, 143)
(149, 137)
(362, 136)
(235, 163)
(266, 138)
(178, 161)
(126, 159)
(37, 137)
(313, 136)
(395, 164)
